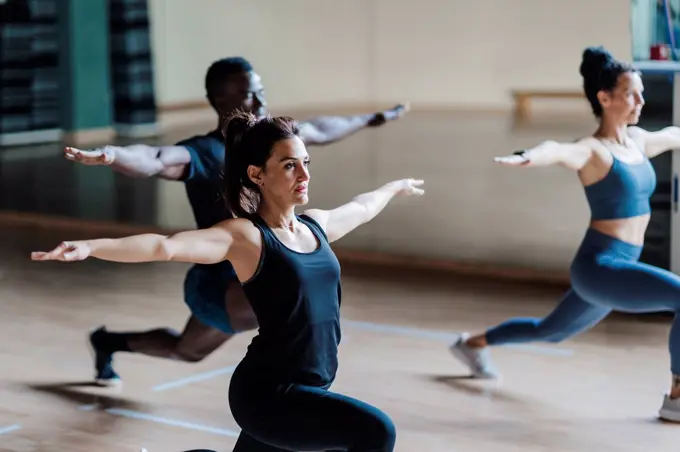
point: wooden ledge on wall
(522, 99)
(169, 107)
(338, 108)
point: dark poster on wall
(29, 71)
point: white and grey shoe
(478, 359)
(670, 409)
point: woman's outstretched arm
(363, 208)
(570, 155)
(658, 142)
(202, 246)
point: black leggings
(292, 417)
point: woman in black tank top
(279, 393)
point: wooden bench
(523, 98)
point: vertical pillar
(85, 95)
(134, 105)
(675, 184)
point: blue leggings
(571, 317)
(605, 276)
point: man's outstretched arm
(329, 129)
(137, 160)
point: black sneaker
(103, 359)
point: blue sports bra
(624, 192)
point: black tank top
(296, 299)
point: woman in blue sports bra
(279, 393)
(613, 166)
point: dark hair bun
(594, 60)
(236, 124)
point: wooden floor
(599, 392)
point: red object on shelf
(659, 52)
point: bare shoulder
(590, 142)
(638, 135)
(239, 228)
(318, 215)
(589, 146)
(594, 148)
(636, 132)
(577, 154)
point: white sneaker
(476, 358)
(670, 409)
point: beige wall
(473, 210)
(444, 52)
(433, 53)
